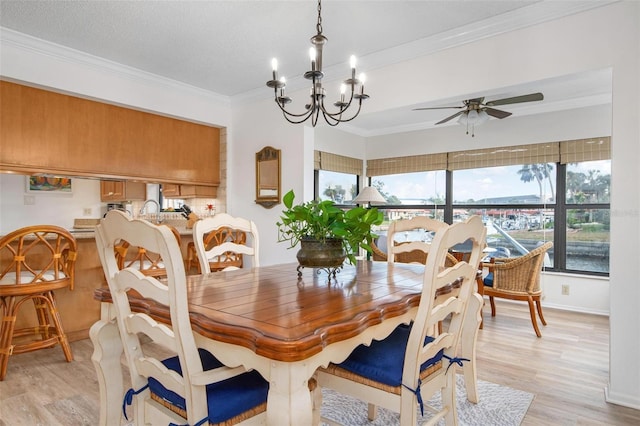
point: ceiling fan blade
(497, 113)
(517, 99)
(447, 107)
(451, 117)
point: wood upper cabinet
(48, 132)
(188, 191)
(120, 190)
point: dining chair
(36, 261)
(410, 250)
(192, 386)
(223, 242)
(417, 252)
(149, 263)
(403, 370)
(518, 278)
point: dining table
(274, 321)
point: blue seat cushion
(225, 399)
(383, 360)
(488, 280)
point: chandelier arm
(345, 120)
(301, 118)
(342, 109)
(305, 114)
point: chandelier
(316, 106)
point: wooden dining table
(270, 320)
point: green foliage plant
(322, 220)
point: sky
(476, 184)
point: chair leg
(57, 322)
(6, 333)
(372, 412)
(532, 313)
(539, 307)
(493, 306)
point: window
(587, 216)
(526, 195)
(339, 187)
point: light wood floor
(567, 370)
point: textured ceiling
(226, 46)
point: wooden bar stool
(34, 261)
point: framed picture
(49, 185)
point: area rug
(498, 406)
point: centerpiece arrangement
(327, 234)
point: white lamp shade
(369, 195)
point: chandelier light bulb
(274, 64)
(352, 62)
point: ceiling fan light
(482, 117)
(463, 119)
(472, 116)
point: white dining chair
(191, 387)
(225, 242)
(402, 371)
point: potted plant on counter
(327, 234)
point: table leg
(289, 401)
(107, 350)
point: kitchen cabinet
(47, 132)
(121, 190)
(188, 191)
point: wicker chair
(192, 387)
(35, 261)
(223, 242)
(518, 278)
(412, 363)
(150, 264)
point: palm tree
(538, 172)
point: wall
(52, 209)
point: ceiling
(226, 47)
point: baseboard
(621, 399)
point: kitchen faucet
(152, 201)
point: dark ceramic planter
(318, 254)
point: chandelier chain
(319, 24)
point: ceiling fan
(475, 111)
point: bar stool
(34, 261)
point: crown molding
(33, 45)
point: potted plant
(328, 234)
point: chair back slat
(37, 254)
(225, 241)
(409, 250)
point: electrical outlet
(87, 211)
(565, 289)
(29, 200)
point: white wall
(47, 208)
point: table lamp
(368, 196)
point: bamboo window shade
(337, 163)
(570, 151)
(585, 150)
(414, 163)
